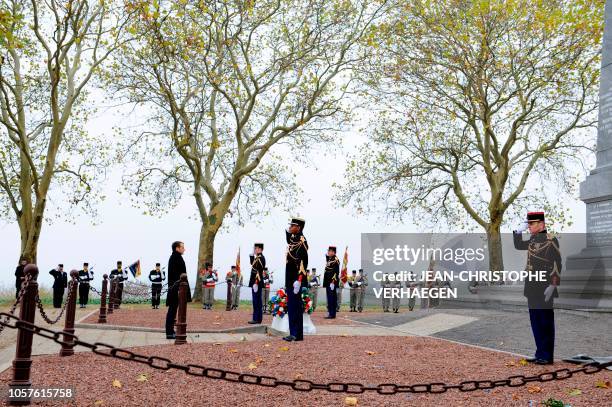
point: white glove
(296, 287)
(549, 292)
(332, 286)
(522, 227)
(255, 287)
(359, 283)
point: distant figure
(331, 276)
(118, 276)
(258, 263)
(266, 293)
(313, 285)
(295, 278)
(237, 283)
(20, 275)
(156, 278)
(60, 282)
(85, 276)
(209, 281)
(229, 279)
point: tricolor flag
(238, 263)
(135, 268)
(343, 271)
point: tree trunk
(496, 260)
(206, 250)
(30, 232)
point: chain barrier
(22, 291)
(161, 363)
(44, 315)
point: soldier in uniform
(85, 277)
(266, 293)
(20, 275)
(258, 263)
(237, 283)
(229, 278)
(295, 277)
(386, 301)
(353, 290)
(395, 301)
(208, 286)
(60, 282)
(156, 278)
(331, 276)
(361, 282)
(118, 276)
(339, 290)
(542, 255)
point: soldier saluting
(156, 278)
(331, 276)
(60, 282)
(85, 276)
(295, 277)
(542, 255)
(258, 263)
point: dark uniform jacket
(332, 271)
(297, 252)
(115, 274)
(19, 275)
(155, 277)
(542, 254)
(258, 262)
(60, 279)
(176, 267)
(85, 278)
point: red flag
(238, 263)
(343, 271)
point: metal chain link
(22, 291)
(44, 315)
(162, 363)
(93, 289)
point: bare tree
(50, 52)
(227, 82)
(485, 108)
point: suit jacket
(176, 267)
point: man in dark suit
(295, 278)
(176, 267)
(60, 282)
(542, 255)
(331, 276)
(258, 263)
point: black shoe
(254, 322)
(289, 338)
(299, 339)
(396, 311)
(329, 317)
(531, 360)
(173, 336)
(543, 362)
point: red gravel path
(371, 360)
(199, 319)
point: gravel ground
(370, 360)
(214, 319)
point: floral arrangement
(307, 300)
(278, 303)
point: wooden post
(181, 323)
(68, 349)
(23, 351)
(111, 297)
(102, 315)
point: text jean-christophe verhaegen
(427, 283)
